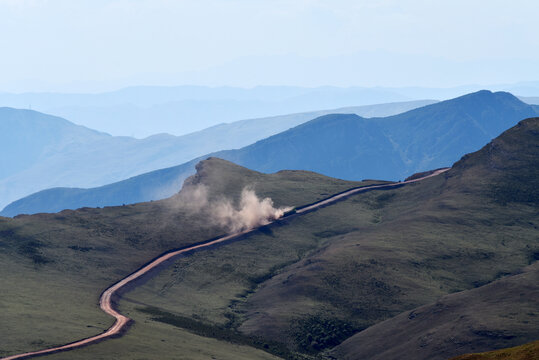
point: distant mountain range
(352, 148)
(343, 146)
(145, 110)
(47, 151)
(532, 100)
(142, 111)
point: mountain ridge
(344, 146)
(97, 160)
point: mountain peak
(487, 95)
(213, 169)
(509, 148)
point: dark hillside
(492, 316)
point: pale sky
(97, 45)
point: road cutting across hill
(106, 301)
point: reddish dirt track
(122, 321)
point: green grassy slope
(149, 339)
(326, 275)
(54, 266)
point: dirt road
(120, 325)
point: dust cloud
(251, 213)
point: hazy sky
(94, 45)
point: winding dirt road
(120, 325)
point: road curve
(121, 323)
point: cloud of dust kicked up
(252, 211)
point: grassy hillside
(54, 266)
(151, 339)
(318, 279)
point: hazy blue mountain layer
(45, 151)
(391, 148)
(145, 110)
(532, 100)
(342, 146)
(27, 137)
(141, 111)
(154, 185)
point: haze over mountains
(142, 111)
(342, 146)
(532, 100)
(46, 151)
(147, 110)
